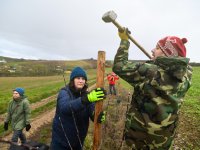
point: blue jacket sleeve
(91, 109)
(67, 105)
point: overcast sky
(73, 29)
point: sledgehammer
(110, 16)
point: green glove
(95, 95)
(123, 34)
(102, 117)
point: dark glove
(123, 34)
(5, 126)
(28, 126)
(102, 117)
(94, 96)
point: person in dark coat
(75, 106)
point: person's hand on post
(94, 96)
(123, 34)
(5, 126)
(28, 127)
(102, 117)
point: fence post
(99, 105)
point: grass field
(192, 99)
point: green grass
(42, 109)
(191, 105)
(45, 134)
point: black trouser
(18, 134)
(112, 89)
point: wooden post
(99, 105)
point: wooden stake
(99, 105)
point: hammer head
(110, 16)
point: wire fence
(113, 129)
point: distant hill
(25, 67)
(9, 59)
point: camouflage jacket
(159, 89)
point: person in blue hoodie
(75, 106)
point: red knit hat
(173, 46)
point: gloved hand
(28, 126)
(5, 126)
(123, 34)
(95, 95)
(102, 117)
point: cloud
(48, 29)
